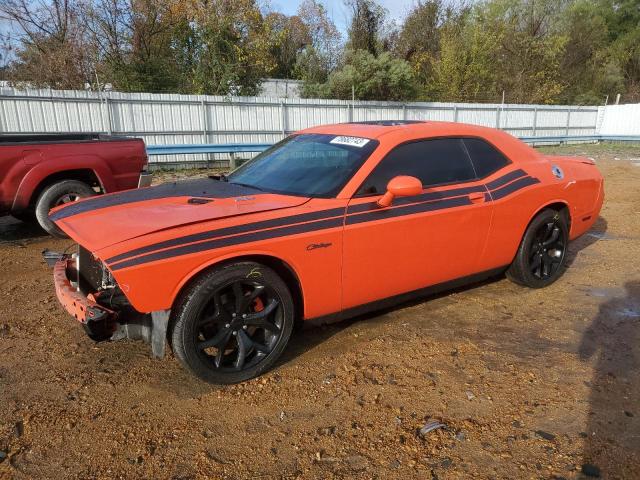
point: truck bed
(40, 138)
(30, 163)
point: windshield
(310, 164)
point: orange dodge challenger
(329, 223)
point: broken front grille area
(91, 272)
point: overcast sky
(339, 13)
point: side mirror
(402, 186)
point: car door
(418, 241)
(501, 176)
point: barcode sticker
(350, 141)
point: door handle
(477, 197)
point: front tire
(57, 194)
(233, 323)
(540, 259)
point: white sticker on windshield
(351, 141)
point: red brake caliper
(258, 305)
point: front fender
(289, 262)
(156, 286)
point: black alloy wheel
(240, 325)
(547, 250)
(540, 259)
(233, 323)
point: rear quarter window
(485, 157)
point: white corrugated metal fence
(187, 119)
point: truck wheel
(233, 323)
(58, 194)
(540, 260)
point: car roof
(405, 128)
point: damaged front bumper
(113, 322)
(83, 308)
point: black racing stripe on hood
(308, 217)
(350, 219)
(201, 187)
(236, 229)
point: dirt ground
(528, 383)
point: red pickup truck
(39, 172)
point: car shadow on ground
(307, 338)
(179, 381)
(612, 344)
(597, 232)
(15, 231)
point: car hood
(106, 220)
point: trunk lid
(563, 159)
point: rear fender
(551, 204)
(554, 204)
(584, 185)
(34, 177)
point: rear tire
(233, 323)
(58, 194)
(540, 259)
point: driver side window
(434, 162)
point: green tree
(418, 41)
(371, 78)
(465, 70)
(588, 70)
(623, 21)
(531, 49)
(223, 47)
(500, 46)
(134, 39)
(320, 56)
(367, 19)
(535, 51)
(287, 37)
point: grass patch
(594, 149)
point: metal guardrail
(581, 138)
(206, 148)
(259, 147)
